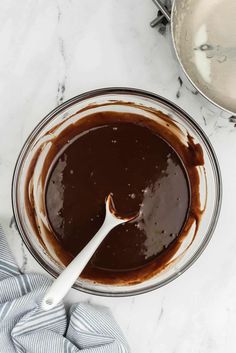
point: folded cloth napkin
(26, 328)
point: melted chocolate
(124, 155)
(164, 132)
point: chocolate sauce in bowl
(142, 172)
(146, 167)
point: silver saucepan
(204, 38)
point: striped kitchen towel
(25, 328)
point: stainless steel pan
(204, 38)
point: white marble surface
(53, 50)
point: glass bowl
(124, 100)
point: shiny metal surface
(204, 37)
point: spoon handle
(67, 278)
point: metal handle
(164, 11)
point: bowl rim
(119, 91)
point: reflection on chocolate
(146, 167)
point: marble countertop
(54, 50)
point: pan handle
(164, 11)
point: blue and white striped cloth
(25, 328)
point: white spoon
(67, 278)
